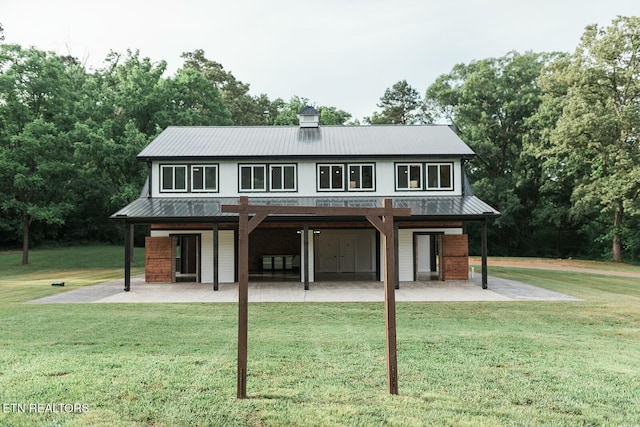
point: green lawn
(514, 363)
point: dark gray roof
(308, 111)
(208, 209)
(293, 141)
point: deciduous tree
(596, 137)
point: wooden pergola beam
(381, 218)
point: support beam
(128, 255)
(396, 279)
(380, 218)
(390, 298)
(243, 302)
(216, 258)
(484, 254)
(305, 248)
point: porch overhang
(185, 210)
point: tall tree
(595, 140)
(36, 115)
(488, 102)
(401, 105)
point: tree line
(556, 136)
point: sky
(339, 53)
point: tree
(288, 112)
(401, 104)
(36, 115)
(488, 102)
(595, 141)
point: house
(194, 171)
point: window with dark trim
(330, 177)
(361, 177)
(204, 178)
(253, 177)
(409, 176)
(173, 178)
(439, 176)
(282, 177)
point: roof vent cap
(309, 117)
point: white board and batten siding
(405, 249)
(226, 256)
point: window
(330, 177)
(283, 177)
(439, 176)
(173, 178)
(204, 178)
(361, 177)
(408, 176)
(253, 178)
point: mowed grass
(485, 364)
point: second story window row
(350, 177)
(267, 177)
(188, 178)
(424, 176)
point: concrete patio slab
(263, 292)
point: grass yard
(485, 364)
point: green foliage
(489, 103)
(594, 143)
(401, 105)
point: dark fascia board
(464, 157)
(232, 219)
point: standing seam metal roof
(293, 141)
(454, 207)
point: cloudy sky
(341, 53)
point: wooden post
(243, 296)
(216, 259)
(128, 243)
(396, 279)
(305, 248)
(389, 297)
(484, 253)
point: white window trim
(252, 189)
(295, 177)
(205, 190)
(439, 165)
(330, 165)
(409, 188)
(173, 179)
(373, 177)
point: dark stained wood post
(484, 253)
(389, 296)
(396, 279)
(243, 296)
(305, 245)
(128, 255)
(216, 259)
(380, 218)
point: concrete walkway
(428, 291)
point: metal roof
(293, 141)
(209, 209)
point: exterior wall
(455, 253)
(307, 180)
(226, 255)
(158, 260)
(405, 249)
